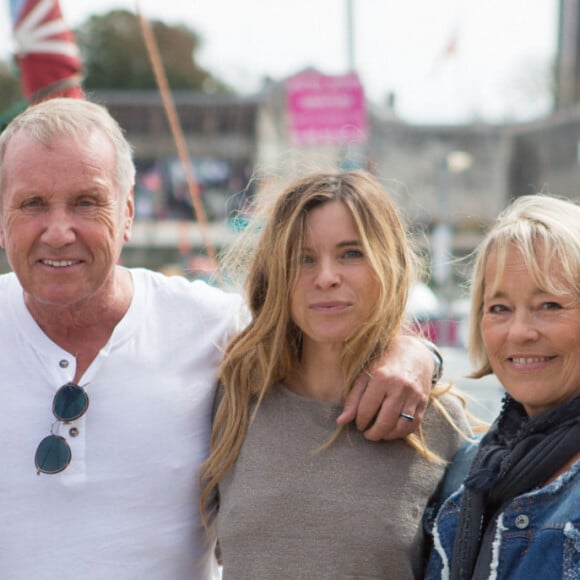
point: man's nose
(58, 228)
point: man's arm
(390, 404)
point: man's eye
(31, 203)
(86, 202)
(497, 309)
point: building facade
(240, 147)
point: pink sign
(326, 109)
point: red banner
(325, 109)
(47, 54)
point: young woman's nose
(327, 274)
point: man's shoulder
(176, 284)
(179, 291)
(8, 278)
(8, 281)
(11, 293)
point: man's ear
(129, 215)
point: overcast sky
(503, 48)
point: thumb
(353, 400)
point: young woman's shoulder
(451, 406)
(446, 424)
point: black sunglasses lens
(53, 455)
(70, 402)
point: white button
(522, 521)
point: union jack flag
(46, 51)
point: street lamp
(451, 163)
(458, 161)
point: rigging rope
(176, 130)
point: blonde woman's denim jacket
(536, 536)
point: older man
(111, 491)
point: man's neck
(83, 329)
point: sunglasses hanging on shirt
(53, 454)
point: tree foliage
(114, 55)
(10, 88)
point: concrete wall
(415, 160)
(545, 156)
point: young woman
(298, 498)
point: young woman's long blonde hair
(268, 350)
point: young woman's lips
(329, 306)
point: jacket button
(522, 522)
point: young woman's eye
(497, 308)
(353, 254)
(550, 306)
(306, 259)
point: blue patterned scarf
(517, 454)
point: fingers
(352, 402)
(407, 417)
(387, 396)
(379, 414)
(400, 383)
(388, 423)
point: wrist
(437, 361)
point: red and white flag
(46, 51)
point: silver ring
(409, 418)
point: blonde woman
(518, 513)
(327, 286)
